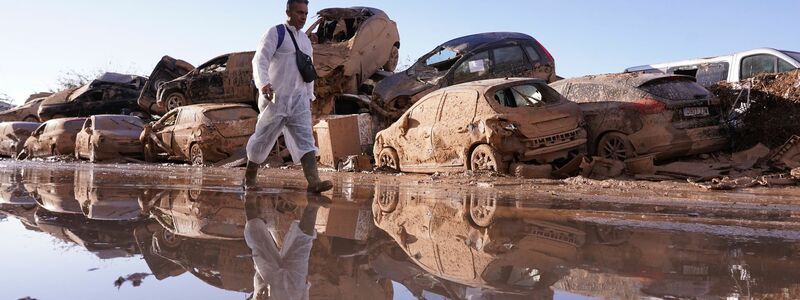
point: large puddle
(78, 231)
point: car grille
(555, 139)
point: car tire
(196, 155)
(168, 239)
(388, 158)
(482, 210)
(486, 158)
(394, 58)
(387, 200)
(616, 146)
(175, 100)
(148, 154)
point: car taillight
(647, 106)
(547, 53)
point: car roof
(634, 80)
(472, 42)
(214, 106)
(114, 117)
(485, 85)
(65, 120)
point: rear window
(527, 95)
(675, 89)
(75, 125)
(118, 123)
(231, 114)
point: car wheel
(168, 238)
(149, 156)
(616, 146)
(485, 158)
(175, 100)
(482, 210)
(388, 199)
(394, 58)
(388, 158)
(196, 155)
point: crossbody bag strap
(296, 48)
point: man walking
(285, 99)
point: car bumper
(686, 142)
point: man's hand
(267, 91)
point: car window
(676, 89)
(40, 130)
(169, 119)
(708, 74)
(425, 112)
(758, 64)
(477, 66)
(792, 54)
(122, 123)
(186, 117)
(231, 114)
(442, 59)
(784, 66)
(508, 58)
(459, 106)
(527, 95)
(532, 54)
(217, 65)
(88, 124)
(74, 125)
(592, 92)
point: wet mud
(180, 231)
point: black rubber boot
(315, 185)
(251, 176)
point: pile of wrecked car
(481, 102)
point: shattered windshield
(676, 89)
(527, 95)
(794, 55)
(443, 59)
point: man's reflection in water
(281, 251)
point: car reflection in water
(481, 246)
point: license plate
(695, 111)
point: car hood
(399, 84)
(61, 97)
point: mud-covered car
(108, 198)
(167, 69)
(13, 136)
(28, 112)
(483, 125)
(199, 133)
(108, 137)
(110, 93)
(468, 58)
(350, 46)
(200, 214)
(225, 79)
(634, 114)
(54, 137)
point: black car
(469, 58)
(110, 93)
(166, 70)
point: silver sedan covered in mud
(635, 114)
(106, 137)
(484, 125)
(199, 133)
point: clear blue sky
(41, 39)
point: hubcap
(174, 102)
(388, 161)
(197, 156)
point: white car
(732, 68)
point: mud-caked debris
(601, 168)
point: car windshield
(231, 114)
(443, 59)
(676, 89)
(527, 95)
(794, 55)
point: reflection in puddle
(382, 241)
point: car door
(82, 140)
(184, 129)
(164, 130)
(415, 147)
(208, 83)
(451, 133)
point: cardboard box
(337, 138)
(345, 221)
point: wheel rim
(615, 148)
(388, 161)
(482, 210)
(388, 201)
(197, 156)
(174, 101)
(482, 161)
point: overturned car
(632, 114)
(483, 125)
(225, 79)
(470, 58)
(54, 137)
(106, 137)
(167, 69)
(13, 136)
(199, 133)
(110, 93)
(350, 46)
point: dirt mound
(766, 108)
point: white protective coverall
(282, 272)
(290, 109)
